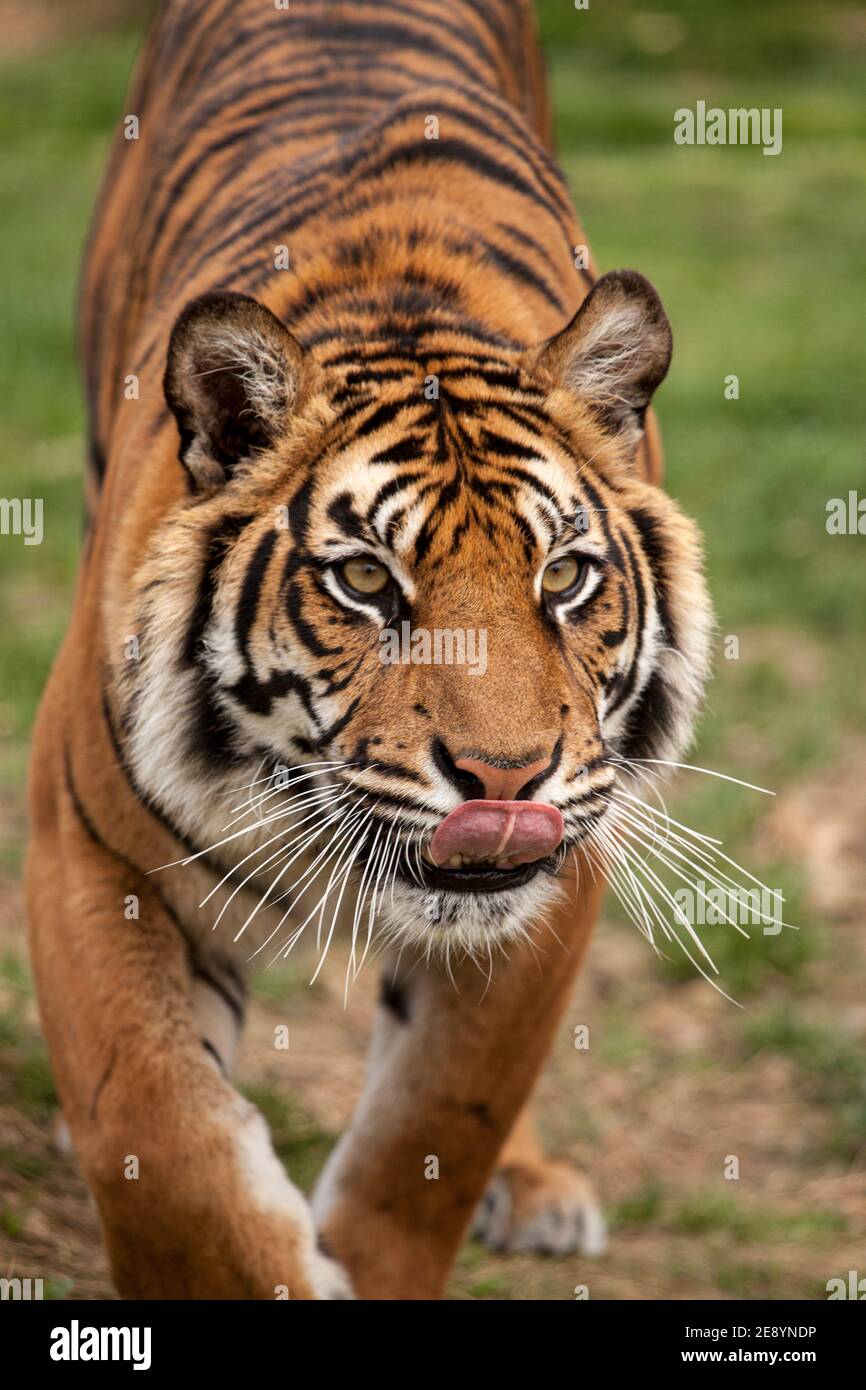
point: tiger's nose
(503, 783)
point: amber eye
(364, 575)
(560, 575)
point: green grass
(642, 1208)
(58, 1289)
(737, 40)
(831, 1067)
(495, 1288)
(22, 1164)
(16, 973)
(57, 111)
(704, 1213)
(10, 1028)
(56, 114)
(720, 1211)
(754, 1282)
(34, 1083)
(11, 1222)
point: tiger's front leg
(193, 1200)
(452, 1065)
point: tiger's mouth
(473, 876)
(491, 846)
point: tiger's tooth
(456, 861)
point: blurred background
(761, 264)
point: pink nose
(516, 831)
(501, 783)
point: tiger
(350, 371)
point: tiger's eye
(560, 575)
(364, 576)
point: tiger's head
(421, 578)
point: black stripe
(393, 997)
(628, 682)
(218, 538)
(650, 720)
(248, 600)
(652, 539)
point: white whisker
(347, 820)
(719, 873)
(328, 799)
(707, 771)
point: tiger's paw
(547, 1209)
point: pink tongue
(518, 830)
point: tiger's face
(430, 594)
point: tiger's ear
(615, 351)
(233, 376)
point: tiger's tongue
(521, 831)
